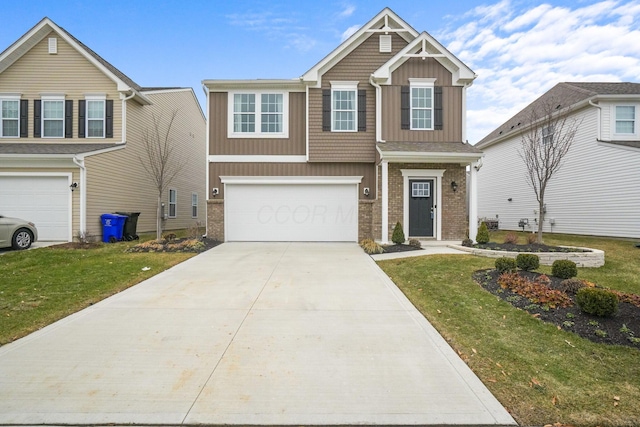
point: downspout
(378, 109)
(599, 130)
(385, 165)
(83, 196)
(124, 114)
(207, 191)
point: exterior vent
(385, 44)
(53, 45)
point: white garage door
(43, 200)
(291, 212)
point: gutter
(599, 130)
(124, 114)
(83, 195)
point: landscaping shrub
(415, 243)
(597, 301)
(531, 238)
(483, 234)
(537, 292)
(370, 247)
(505, 265)
(398, 234)
(527, 262)
(564, 269)
(467, 242)
(511, 238)
(572, 285)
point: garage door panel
(43, 200)
(290, 212)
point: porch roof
(61, 150)
(431, 152)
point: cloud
(349, 32)
(520, 52)
(347, 11)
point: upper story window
(10, 117)
(52, 117)
(261, 114)
(194, 205)
(625, 120)
(95, 118)
(344, 107)
(422, 104)
(173, 203)
(547, 134)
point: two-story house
(72, 139)
(595, 191)
(372, 135)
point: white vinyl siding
(591, 194)
(10, 116)
(262, 114)
(53, 118)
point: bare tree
(160, 160)
(544, 146)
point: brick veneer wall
(215, 219)
(365, 220)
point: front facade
(370, 136)
(72, 137)
(595, 191)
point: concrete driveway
(247, 333)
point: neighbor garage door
(291, 212)
(42, 199)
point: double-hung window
(547, 134)
(53, 117)
(261, 114)
(194, 205)
(625, 120)
(422, 100)
(344, 107)
(173, 202)
(10, 117)
(95, 117)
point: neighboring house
(72, 137)
(372, 135)
(596, 190)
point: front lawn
(541, 374)
(43, 285)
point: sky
(519, 49)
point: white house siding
(595, 192)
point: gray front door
(421, 209)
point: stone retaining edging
(594, 258)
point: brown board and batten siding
(220, 144)
(357, 66)
(67, 73)
(366, 170)
(451, 103)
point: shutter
(326, 110)
(109, 118)
(362, 110)
(82, 111)
(68, 119)
(24, 114)
(405, 108)
(437, 108)
(37, 122)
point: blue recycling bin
(112, 226)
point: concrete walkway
(247, 333)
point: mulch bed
(570, 319)
(388, 249)
(167, 246)
(532, 247)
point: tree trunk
(159, 219)
(540, 220)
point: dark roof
(428, 147)
(566, 94)
(634, 144)
(49, 149)
(153, 89)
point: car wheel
(22, 239)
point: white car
(17, 233)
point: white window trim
(194, 205)
(625, 136)
(175, 215)
(345, 86)
(44, 98)
(102, 98)
(258, 113)
(428, 83)
(7, 97)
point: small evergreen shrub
(597, 301)
(564, 269)
(571, 286)
(483, 234)
(505, 265)
(370, 247)
(528, 262)
(531, 238)
(467, 242)
(415, 243)
(511, 238)
(398, 234)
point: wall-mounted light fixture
(454, 186)
(215, 191)
(366, 191)
(509, 199)
(73, 186)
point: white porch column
(385, 202)
(473, 201)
